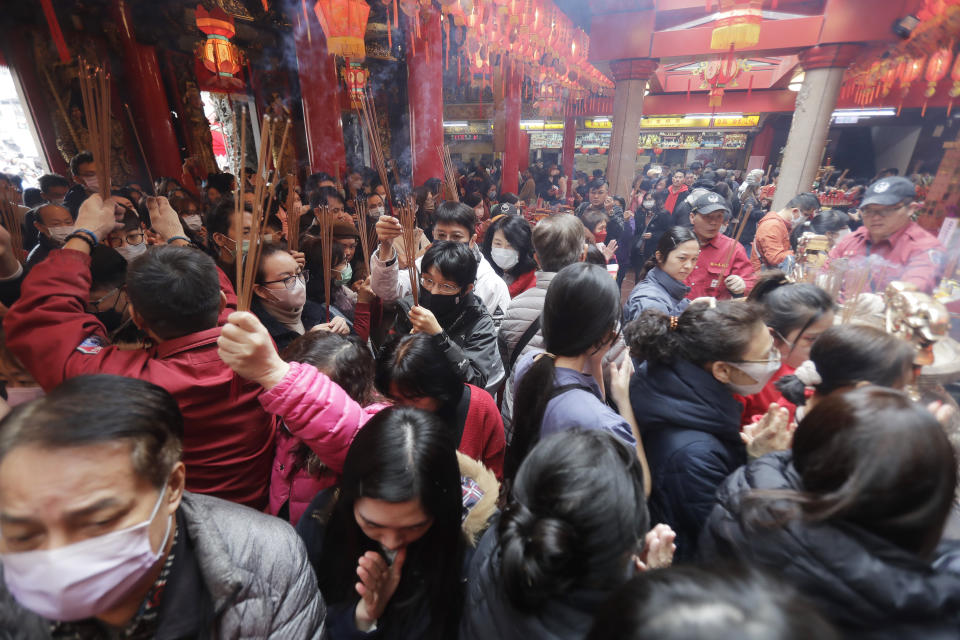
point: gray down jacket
(523, 310)
(254, 567)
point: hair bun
(538, 556)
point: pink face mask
(84, 579)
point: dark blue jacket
(656, 291)
(690, 426)
(866, 585)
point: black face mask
(111, 319)
(440, 305)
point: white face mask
(290, 300)
(193, 221)
(376, 212)
(86, 578)
(57, 201)
(506, 259)
(648, 204)
(131, 251)
(59, 234)
(93, 183)
(759, 371)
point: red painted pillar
(763, 143)
(320, 96)
(509, 183)
(425, 90)
(148, 99)
(569, 149)
(524, 151)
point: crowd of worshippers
(520, 454)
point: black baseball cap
(887, 191)
(710, 202)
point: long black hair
(580, 314)
(669, 241)
(517, 232)
(402, 454)
(875, 459)
(849, 355)
(576, 514)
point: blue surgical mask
(346, 275)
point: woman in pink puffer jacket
(324, 398)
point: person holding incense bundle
(280, 299)
(455, 222)
(449, 311)
(175, 297)
(723, 269)
(342, 298)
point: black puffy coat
(487, 613)
(690, 426)
(867, 586)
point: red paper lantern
(218, 54)
(344, 23)
(937, 67)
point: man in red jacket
(723, 269)
(175, 298)
(905, 251)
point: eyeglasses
(445, 288)
(880, 213)
(93, 306)
(772, 355)
(134, 239)
(290, 281)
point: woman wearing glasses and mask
(449, 311)
(280, 299)
(683, 398)
(797, 315)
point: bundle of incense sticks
(10, 218)
(368, 117)
(850, 299)
(408, 223)
(449, 173)
(238, 200)
(293, 214)
(263, 196)
(360, 218)
(326, 222)
(95, 93)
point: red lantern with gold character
(344, 23)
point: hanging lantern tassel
(396, 17)
(688, 88)
(949, 107)
(923, 110)
(750, 85)
(389, 33)
(446, 32)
